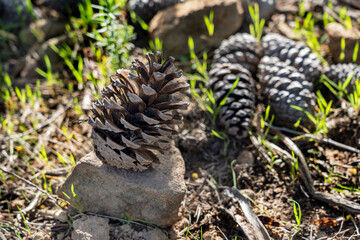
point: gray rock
(91, 228)
(43, 29)
(154, 234)
(246, 158)
(127, 232)
(175, 24)
(336, 32)
(153, 195)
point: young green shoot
(355, 52)
(294, 166)
(354, 98)
(156, 45)
(304, 25)
(256, 28)
(24, 220)
(223, 136)
(209, 22)
(340, 89)
(319, 119)
(345, 17)
(342, 53)
(264, 119)
(49, 75)
(297, 214)
(76, 200)
(233, 173)
(136, 19)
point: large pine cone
(235, 116)
(340, 72)
(283, 86)
(295, 54)
(136, 113)
(240, 48)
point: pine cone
(340, 72)
(136, 113)
(235, 116)
(295, 54)
(146, 9)
(240, 48)
(283, 86)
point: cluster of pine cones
(287, 71)
(137, 113)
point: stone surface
(175, 24)
(91, 228)
(336, 31)
(127, 232)
(44, 29)
(153, 195)
(245, 157)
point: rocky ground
(44, 134)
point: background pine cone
(241, 48)
(295, 54)
(340, 72)
(283, 86)
(235, 116)
(136, 113)
(146, 9)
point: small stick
(257, 226)
(33, 185)
(305, 175)
(32, 204)
(310, 136)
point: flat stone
(175, 24)
(91, 228)
(153, 195)
(336, 32)
(44, 29)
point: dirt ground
(35, 135)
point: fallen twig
(305, 176)
(32, 204)
(60, 215)
(258, 228)
(310, 136)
